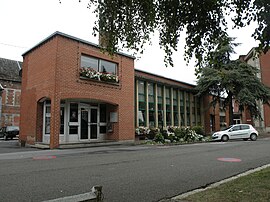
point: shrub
(159, 138)
(198, 129)
(151, 133)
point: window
(103, 118)
(98, 69)
(47, 119)
(73, 115)
(17, 98)
(107, 67)
(142, 103)
(182, 108)
(175, 107)
(151, 104)
(89, 62)
(198, 101)
(168, 106)
(244, 127)
(73, 118)
(62, 120)
(188, 108)
(193, 106)
(235, 128)
(160, 105)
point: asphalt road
(127, 173)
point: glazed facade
(165, 102)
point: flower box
(90, 73)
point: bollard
(98, 191)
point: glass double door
(89, 124)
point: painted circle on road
(229, 159)
(44, 157)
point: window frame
(99, 62)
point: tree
(131, 22)
(231, 80)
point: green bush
(159, 138)
(198, 129)
(180, 133)
(152, 133)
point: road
(127, 173)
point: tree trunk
(230, 97)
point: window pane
(62, 120)
(103, 113)
(89, 62)
(73, 116)
(73, 129)
(47, 119)
(159, 91)
(103, 129)
(141, 87)
(244, 127)
(141, 116)
(235, 128)
(107, 67)
(150, 89)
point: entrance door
(89, 123)
(84, 124)
(94, 123)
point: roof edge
(57, 33)
(163, 77)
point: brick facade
(262, 63)
(51, 72)
(10, 92)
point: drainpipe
(1, 93)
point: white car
(238, 131)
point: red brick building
(72, 92)
(10, 92)
(262, 62)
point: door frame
(88, 107)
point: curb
(216, 184)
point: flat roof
(57, 33)
(166, 78)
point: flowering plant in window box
(90, 73)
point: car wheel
(224, 138)
(5, 138)
(253, 137)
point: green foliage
(231, 79)
(177, 134)
(198, 130)
(131, 23)
(152, 133)
(159, 138)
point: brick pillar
(39, 127)
(55, 123)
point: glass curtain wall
(182, 108)
(178, 107)
(168, 107)
(175, 107)
(160, 105)
(151, 104)
(193, 107)
(142, 103)
(188, 108)
(198, 105)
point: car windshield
(12, 128)
(227, 128)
